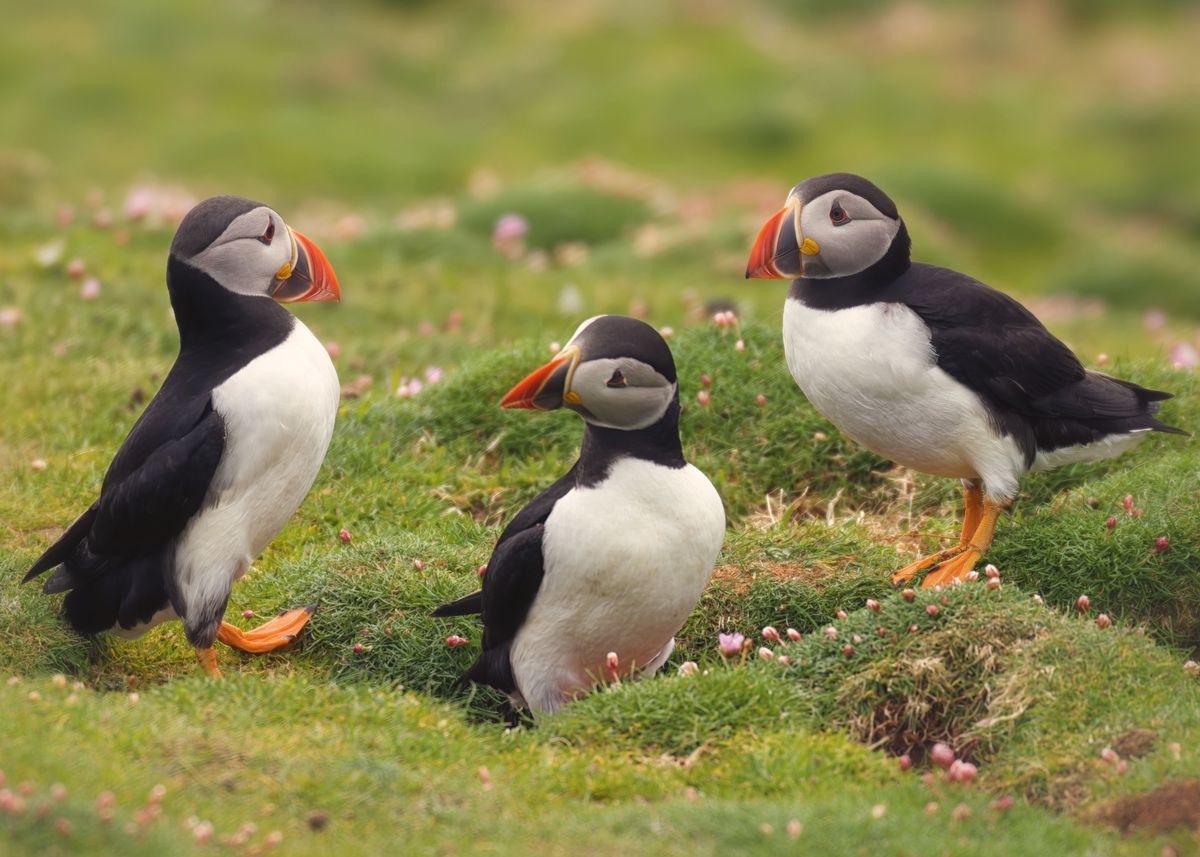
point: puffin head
(834, 225)
(616, 372)
(246, 248)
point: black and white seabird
(929, 367)
(613, 557)
(225, 451)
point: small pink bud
(932, 609)
(766, 654)
(388, 630)
(1102, 621)
(769, 633)
(706, 381)
(942, 755)
(794, 635)
(1192, 668)
(794, 829)
(783, 659)
(366, 632)
(1003, 803)
(482, 570)
(872, 604)
(58, 792)
(760, 400)
(1082, 603)
(856, 639)
(961, 812)
(1122, 767)
(1128, 502)
(730, 644)
(688, 668)
(1038, 599)
(247, 614)
(1110, 755)
(991, 570)
(831, 632)
(847, 650)
(105, 799)
(419, 565)
(972, 576)
(993, 584)
(905, 762)
(76, 269)
(1111, 523)
(1161, 544)
(555, 347)
(1101, 358)
(932, 807)
(454, 640)
(485, 778)
(928, 779)
(1138, 512)
(345, 536)
(740, 345)
(912, 629)
(881, 631)
(841, 614)
(202, 833)
(63, 826)
(358, 648)
(333, 349)
(703, 398)
(612, 665)
(909, 595)
(90, 290)
(962, 772)
(820, 435)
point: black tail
(468, 605)
(1149, 400)
(62, 550)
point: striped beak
(546, 388)
(307, 277)
(778, 254)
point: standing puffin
(225, 451)
(930, 368)
(613, 556)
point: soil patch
(1135, 743)
(738, 579)
(1175, 803)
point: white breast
(278, 412)
(871, 370)
(625, 563)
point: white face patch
(241, 259)
(845, 248)
(621, 393)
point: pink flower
(841, 614)
(1128, 502)
(769, 633)
(1002, 803)
(972, 576)
(482, 570)
(247, 614)
(76, 269)
(454, 641)
(612, 666)
(703, 398)
(794, 635)
(993, 583)
(333, 349)
(740, 345)
(760, 400)
(991, 570)
(345, 536)
(961, 772)
(905, 762)
(1184, 356)
(730, 644)
(1082, 603)
(831, 632)
(688, 668)
(90, 290)
(705, 381)
(766, 654)
(1110, 755)
(932, 609)
(872, 604)
(909, 595)
(1161, 544)
(1111, 523)
(1102, 621)
(358, 648)
(418, 564)
(847, 650)
(510, 227)
(783, 659)
(941, 755)
(433, 374)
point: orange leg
(956, 569)
(208, 660)
(972, 513)
(275, 634)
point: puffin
(929, 367)
(224, 452)
(591, 581)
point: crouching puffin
(929, 367)
(611, 558)
(225, 451)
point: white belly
(871, 370)
(278, 412)
(625, 563)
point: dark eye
(269, 233)
(617, 379)
(838, 215)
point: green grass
(1050, 155)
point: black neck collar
(210, 316)
(602, 447)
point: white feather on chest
(872, 371)
(625, 563)
(279, 412)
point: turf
(1049, 153)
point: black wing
(1035, 387)
(156, 483)
(514, 575)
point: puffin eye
(617, 379)
(838, 215)
(269, 233)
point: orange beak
(544, 389)
(762, 256)
(308, 277)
